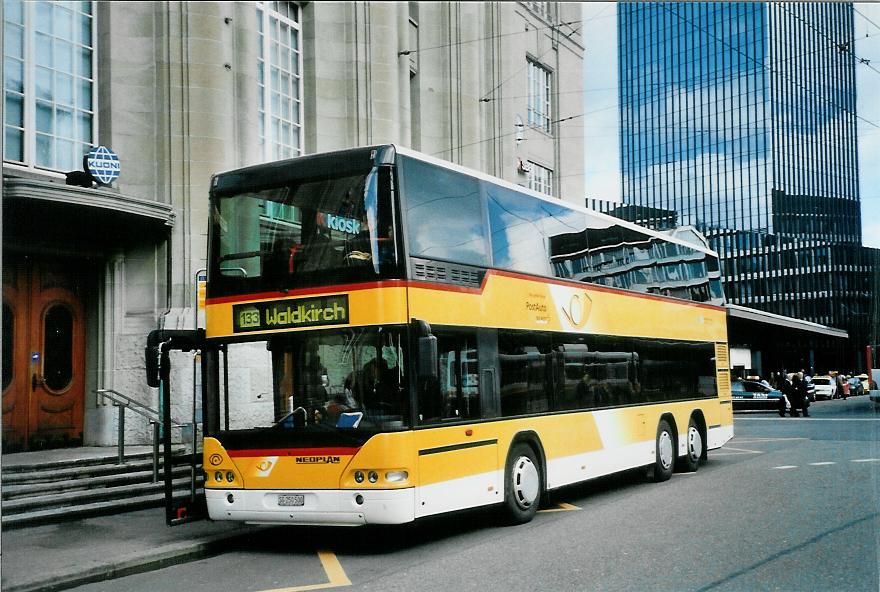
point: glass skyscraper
(741, 119)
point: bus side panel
(457, 470)
(517, 302)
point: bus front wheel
(664, 453)
(522, 485)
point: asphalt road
(788, 504)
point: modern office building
(183, 89)
(741, 118)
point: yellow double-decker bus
(390, 336)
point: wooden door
(43, 394)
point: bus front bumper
(341, 507)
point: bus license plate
(291, 499)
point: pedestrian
(798, 395)
(786, 388)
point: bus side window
(456, 392)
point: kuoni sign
(102, 164)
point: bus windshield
(304, 232)
(351, 379)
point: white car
(826, 387)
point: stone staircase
(51, 491)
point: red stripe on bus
(558, 282)
(292, 452)
(453, 288)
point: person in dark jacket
(785, 387)
(799, 395)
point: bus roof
(403, 151)
(542, 196)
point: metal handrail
(124, 402)
(136, 406)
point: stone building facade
(180, 90)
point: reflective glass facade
(740, 118)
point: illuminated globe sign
(103, 164)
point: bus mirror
(427, 358)
(160, 340)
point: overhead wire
(764, 66)
(733, 75)
(485, 96)
(407, 52)
(844, 47)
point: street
(788, 504)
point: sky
(602, 153)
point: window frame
(540, 106)
(542, 9)
(29, 107)
(545, 185)
(267, 15)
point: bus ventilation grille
(723, 381)
(434, 272)
(721, 355)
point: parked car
(855, 387)
(866, 382)
(751, 394)
(826, 387)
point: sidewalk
(77, 552)
(59, 556)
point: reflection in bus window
(456, 392)
(525, 380)
(444, 214)
(316, 377)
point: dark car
(855, 387)
(755, 395)
(811, 389)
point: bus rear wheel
(690, 462)
(522, 485)
(664, 453)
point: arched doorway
(43, 354)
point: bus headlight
(396, 476)
(373, 476)
(359, 476)
(230, 476)
(218, 476)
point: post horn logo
(215, 459)
(578, 310)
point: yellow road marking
(335, 575)
(561, 507)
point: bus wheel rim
(695, 443)
(526, 482)
(664, 446)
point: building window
(540, 178)
(48, 83)
(542, 9)
(280, 67)
(540, 85)
(413, 46)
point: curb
(166, 556)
